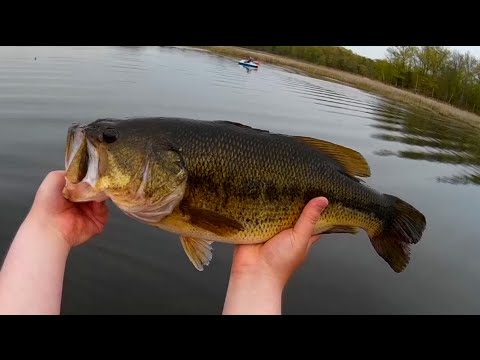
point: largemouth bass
(221, 181)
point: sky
(378, 52)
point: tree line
(433, 71)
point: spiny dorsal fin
(350, 160)
(212, 221)
(199, 251)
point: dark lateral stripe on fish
(254, 189)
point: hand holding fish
(31, 280)
(75, 222)
(261, 271)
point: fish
(223, 181)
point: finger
(54, 181)
(51, 185)
(99, 210)
(305, 225)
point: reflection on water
(442, 141)
(248, 68)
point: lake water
(131, 268)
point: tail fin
(403, 228)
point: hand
(74, 222)
(31, 279)
(260, 272)
(284, 253)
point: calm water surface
(134, 269)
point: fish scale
(240, 185)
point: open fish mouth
(81, 165)
(74, 141)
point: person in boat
(31, 278)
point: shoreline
(357, 81)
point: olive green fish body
(242, 185)
(263, 180)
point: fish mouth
(74, 142)
(81, 165)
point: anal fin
(199, 251)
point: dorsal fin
(351, 161)
(240, 125)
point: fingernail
(321, 203)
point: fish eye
(110, 136)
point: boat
(253, 64)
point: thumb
(311, 213)
(52, 184)
(54, 181)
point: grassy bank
(357, 81)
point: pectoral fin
(198, 251)
(213, 222)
